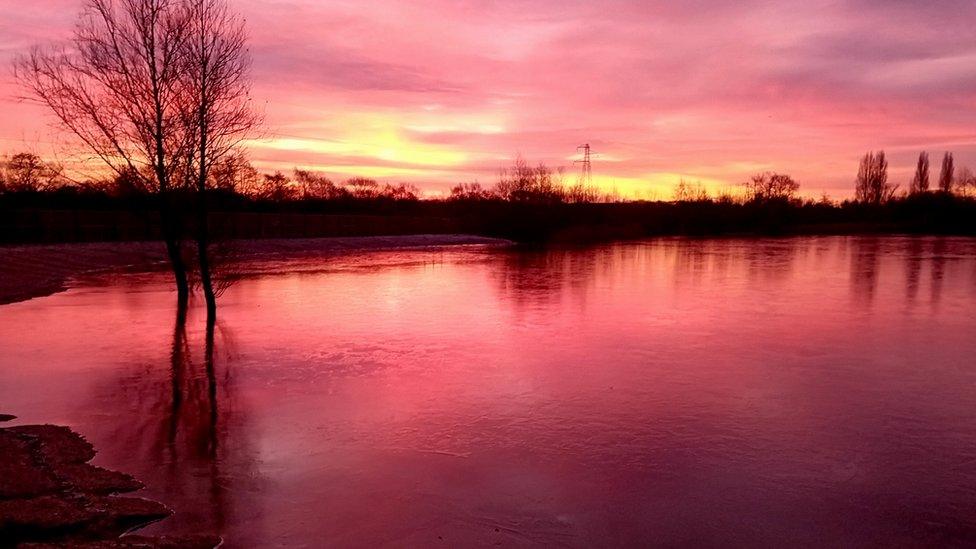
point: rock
(42, 518)
(75, 517)
(50, 494)
(96, 480)
(20, 475)
(122, 514)
(56, 444)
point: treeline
(521, 182)
(26, 173)
(234, 175)
(532, 202)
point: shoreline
(51, 496)
(37, 270)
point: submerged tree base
(51, 496)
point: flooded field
(805, 391)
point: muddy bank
(39, 270)
(51, 496)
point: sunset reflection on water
(813, 391)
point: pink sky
(435, 92)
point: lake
(737, 392)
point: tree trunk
(203, 258)
(179, 273)
(203, 228)
(171, 236)
(206, 280)
(208, 360)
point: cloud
(701, 88)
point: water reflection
(865, 269)
(913, 269)
(193, 430)
(193, 406)
(675, 392)
(772, 261)
(938, 269)
(533, 278)
(183, 430)
(538, 279)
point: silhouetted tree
(729, 197)
(317, 186)
(470, 192)
(215, 104)
(523, 183)
(690, 192)
(872, 179)
(277, 187)
(920, 183)
(770, 186)
(965, 182)
(233, 172)
(400, 192)
(25, 172)
(363, 188)
(118, 88)
(581, 193)
(946, 176)
(129, 183)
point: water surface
(808, 391)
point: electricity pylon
(586, 168)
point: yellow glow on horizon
(387, 147)
(418, 174)
(396, 146)
(368, 136)
(654, 186)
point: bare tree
(127, 183)
(470, 192)
(401, 192)
(582, 193)
(278, 188)
(234, 173)
(117, 87)
(26, 172)
(317, 186)
(946, 177)
(965, 181)
(363, 188)
(771, 186)
(920, 183)
(690, 192)
(872, 179)
(215, 107)
(523, 183)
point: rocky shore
(50, 496)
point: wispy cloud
(437, 91)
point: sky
(438, 92)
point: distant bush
(471, 192)
(690, 192)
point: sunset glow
(438, 92)
(472, 273)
